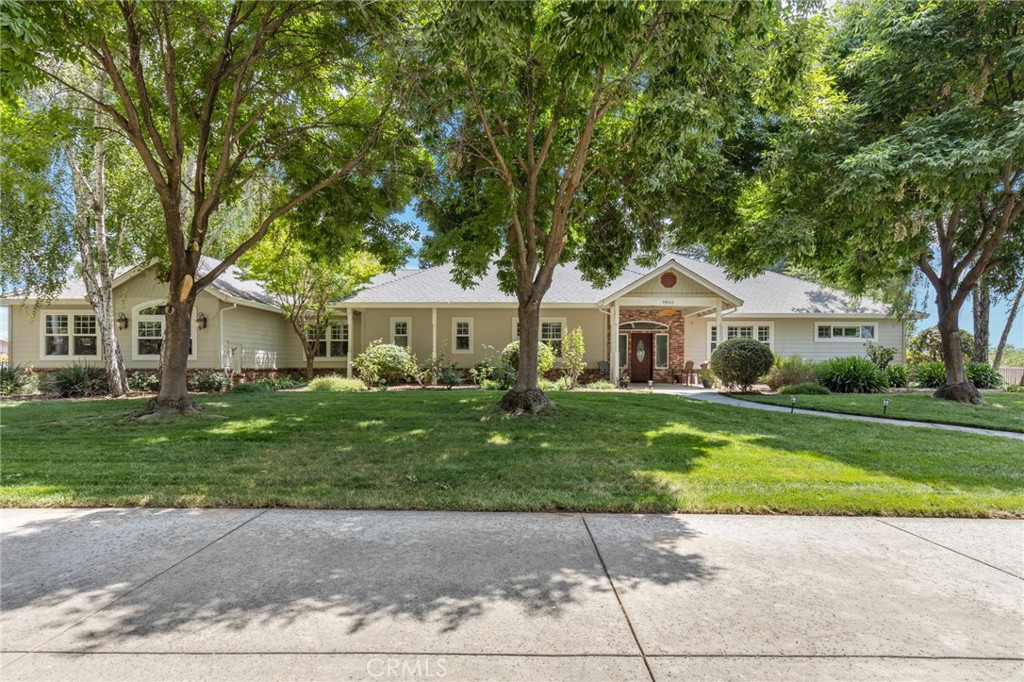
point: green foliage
(879, 354)
(385, 364)
(573, 356)
(806, 388)
(1012, 356)
(926, 346)
(898, 376)
(77, 380)
(1014, 388)
(444, 370)
(707, 377)
(336, 383)
(600, 385)
(210, 381)
(741, 362)
(853, 374)
(494, 371)
(788, 371)
(982, 375)
(545, 357)
(143, 382)
(17, 379)
(929, 374)
(259, 386)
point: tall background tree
(906, 151)
(568, 131)
(290, 101)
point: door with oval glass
(641, 357)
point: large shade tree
(568, 131)
(292, 102)
(907, 152)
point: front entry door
(641, 357)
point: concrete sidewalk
(147, 594)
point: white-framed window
(551, 333)
(845, 331)
(623, 350)
(462, 335)
(401, 331)
(758, 331)
(333, 342)
(661, 351)
(148, 332)
(70, 335)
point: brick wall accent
(672, 317)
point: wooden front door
(641, 357)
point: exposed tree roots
(158, 407)
(963, 393)
(531, 400)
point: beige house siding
(492, 326)
(797, 336)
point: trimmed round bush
(337, 384)
(853, 374)
(545, 357)
(930, 374)
(385, 364)
(809, 388)
(897, 375)
(982, 375)
(741, 362)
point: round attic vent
(668, 280)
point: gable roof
(229, 286)
(769, 293)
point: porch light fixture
(122, 321)
(885, 406)
(792, 404)
(201, 320)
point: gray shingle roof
(767, 293)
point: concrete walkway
(716, 397)
(146, 594)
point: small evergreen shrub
(808, 388)
(930, 374)
(385, 364)
(210, 381)
(573, 351)
(545, 357)
(141, 382)
(853, 374)
(17, 379)
(881, 355)
(898, 376)
(78, 380)
(741, 362)
(337, 384)
(1014, 388)
(983, 375)
(791, 370)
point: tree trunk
(981, 307)
(1014, 308)
(957, 386)
(526, 395)
(173, 396)
(309, 366)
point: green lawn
(1003, 411)
(452, 450)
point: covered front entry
(641, 357)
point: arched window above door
(642, 325)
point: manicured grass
(1003, 411)
(628, 452)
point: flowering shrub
(385, 364)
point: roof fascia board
(672, 263)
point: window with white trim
(67, 334)
(462, 335)
(759, 331)
(401, 331)
(149, 332)
(333, 342)
(661, 351)
(623, 350)
(845, 332)
(551, 333)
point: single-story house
(646, 323)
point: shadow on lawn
(328, 581)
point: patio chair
(602, 369)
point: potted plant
(624, 380)
(707, 378)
